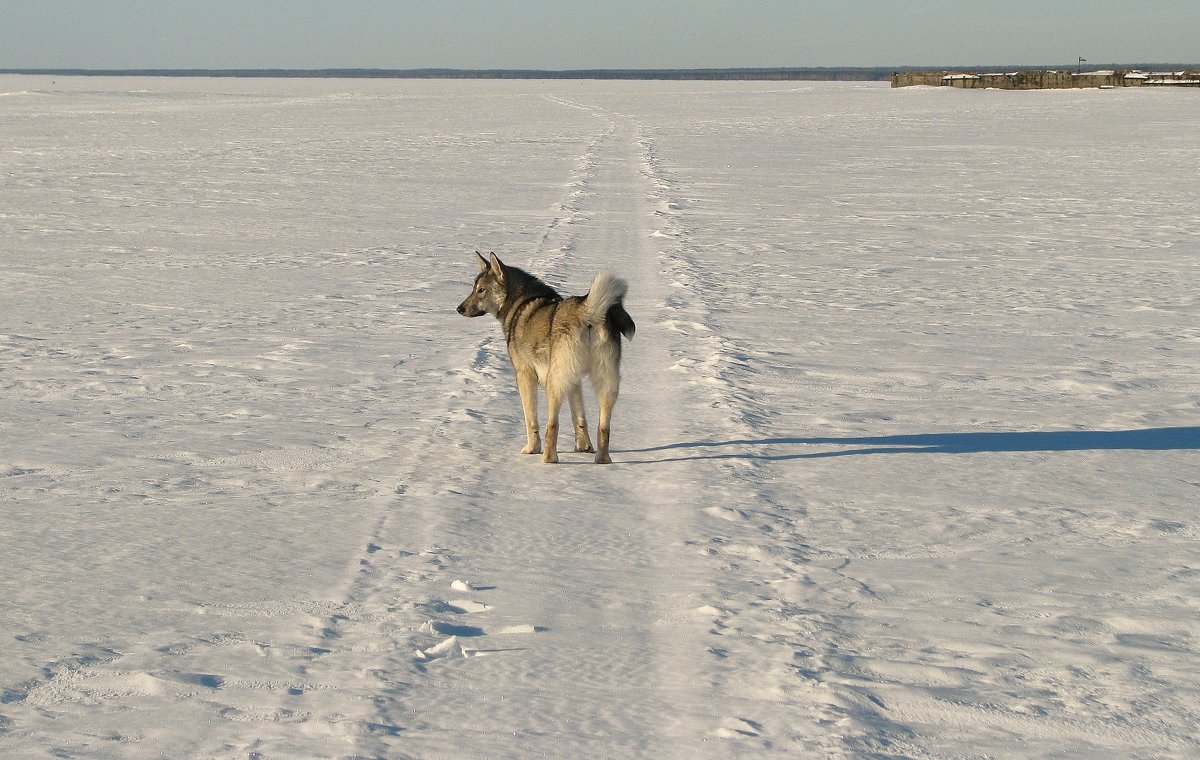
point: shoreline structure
(1047, 80)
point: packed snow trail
(600, 624)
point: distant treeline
(830, 74)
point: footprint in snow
(734, 728)
(448, 648)
(474, 631)
(453, 646)
(725, 513)
(464, 606)
(461, 585)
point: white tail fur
(607, 291)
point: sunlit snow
(906, 454)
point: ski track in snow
(905, 450)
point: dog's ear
(483, 263)
(497, 267)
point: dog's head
(487, 294)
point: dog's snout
(462, 308)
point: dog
(555, 342)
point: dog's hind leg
(607, 401)
(527, 384)
(606, 395)
(583, 442)
(554, 399)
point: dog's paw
(550, 458)
(585, 449)
(603, 458)
(532, 448)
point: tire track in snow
(681, 385)
(582, 564)
(593, 595)
(558, 238)
(777, 606)
(597, 620)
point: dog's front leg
(527, 385)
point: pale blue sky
(571, 34)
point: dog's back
(568, 338)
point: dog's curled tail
(605, 307)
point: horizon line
(757, 72)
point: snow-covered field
(907, 452)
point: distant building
(1045, 80)
(1173, 79)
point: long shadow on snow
(1152, 439)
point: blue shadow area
(1150, 439)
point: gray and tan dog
(555, 342)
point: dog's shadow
(769, 449)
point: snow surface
(906, 453)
